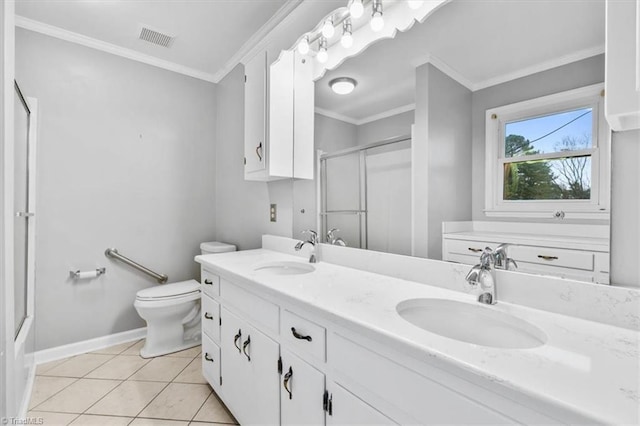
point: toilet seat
(185, 290)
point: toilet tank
(216, 247)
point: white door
(255, 72)
(261, 360)
(347, 409)
(235, 382)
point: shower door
(21, 207)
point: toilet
(172, 311)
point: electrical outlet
(272, 213)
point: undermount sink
(466, 322)
(284, 268)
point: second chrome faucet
(482, 275)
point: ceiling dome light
(415, 4)
(328, 30)
(303, 46)
(343, 85)
(356, 9)
(377, 21)
(322, 53)
(347, 37)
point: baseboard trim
(59, 352)
(28, 390)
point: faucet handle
(313, 234)
(487, 258)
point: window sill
(569, 215)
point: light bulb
(303, 46)
(347, 37)
(328, 29)
(356, 9)
(377, 22)
(347, 40)
(415, 4)
(322, 56)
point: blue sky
(536, 128)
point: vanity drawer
(211, 362)
(467, 247)
(264, 314)
(311, 337)
(210, 283)
(549, 256)
(211, 318)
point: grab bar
(113, 253)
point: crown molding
(544, 66)
(365, 120)
(257, 41)
(336, 116)
(70, 36)
(387, 114)
(445, 68)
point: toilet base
(151, 353)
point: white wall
(126, 159)
(625, 208)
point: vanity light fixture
(356, 9)
(347, 34)
(343, 85)
(415, 4)
(322, 52)
(377, 21)
(303, 46)
(328, 30)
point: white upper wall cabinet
(279, 101)
(622, 72)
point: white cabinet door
(344, 408)
(301, 392)
(255, 92)
(235, 376)
(261, 361)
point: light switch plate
(273, 213)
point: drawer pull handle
(285, 382)
(208, 316)
(208, 282)
(207, 357)
(235, 340)
(244, 348)
(300, 336)
(475, 250)
(548, 257)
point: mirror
(401, 161)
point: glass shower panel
(342, 176)
(388, 188)
(21, 207)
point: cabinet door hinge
(327, 402)
(245, 78)
(220, 320)
(245, 161)
(279, 365)
(220, 380)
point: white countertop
(587, 367)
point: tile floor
(115, 386)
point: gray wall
(571, 76)
(385, 128)
(242, 207)
(625, 208)
(330, 135)
(448, 162)
(126, 159)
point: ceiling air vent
(154, 36)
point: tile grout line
(51, 396)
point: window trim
(595, 208)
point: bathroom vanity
(288, 342)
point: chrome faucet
(331, 239)
(482, 277)
(313, 240)
(502, 260)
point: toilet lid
(164, 291)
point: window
(549, 157)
